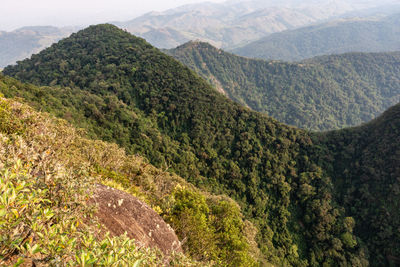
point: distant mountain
(323, 93)
(230, 24)
(354, 35)
(166, 37)
(234, 23)
(24, 42)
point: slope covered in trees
(323, 93)
(154, 106)
(354, 35)
(48, 164)
(364, 165)
(47, 174)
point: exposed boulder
(120, 212)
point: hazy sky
(18, 13)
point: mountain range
(323, 93)
(351, 35)
(234, 23)
(230, 24)
(24, 42)
(311, 199)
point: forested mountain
(323, 93)
(24, 42)
(121, 89)
(364, 165)
(353, 35)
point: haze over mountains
(229, 25)
(22, 43)
(234, 23)
(374, 34)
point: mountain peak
(103, 29)
(103, 44)
(107, 33)
(198, 44)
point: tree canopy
(324, 93)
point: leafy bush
(44, 219)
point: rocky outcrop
(120, 212)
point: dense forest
(57, 171)
(323, 93)
(364, 165)
(372, 34)
(121, 89)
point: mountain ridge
(322, 93)
(23, 42)
(228, 25)
(354, 35)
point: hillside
(364, 165)
(121, 89)
(352, 35)
(47, 174)
(48, 164)
(323, 93)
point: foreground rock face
(120, 212)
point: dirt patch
(120, 212)
(217, 85)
